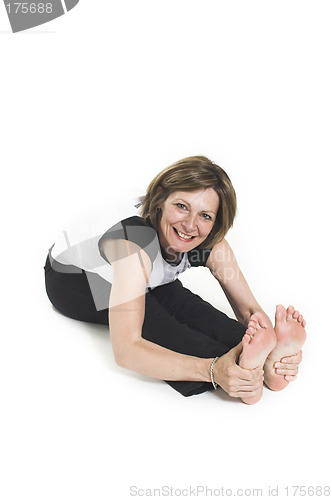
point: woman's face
(187, 218)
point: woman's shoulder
(136, 230)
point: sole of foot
(291, 335)
(257, 343)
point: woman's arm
(131, 271)
(224, 267)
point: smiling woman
(186, 220)
(126, 277)
(194, 175)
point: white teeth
(184, 235)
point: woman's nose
(189, 223)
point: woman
(126, 277)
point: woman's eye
(181, 206)
(206, 217)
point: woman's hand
(289, 366)
(236, 381)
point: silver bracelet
(215, 386)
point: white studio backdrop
(93, 105)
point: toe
(296, 314)
(246, 339)
(250, 331)
(290, 312)
(304, 323)
(280, 313)
(260, 319)
(300, 318)
(255, 318)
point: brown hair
(191, 174)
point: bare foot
(257, 343)
(291, 336)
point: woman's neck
(171, 256)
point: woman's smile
(182, 236)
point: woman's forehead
(203, 199)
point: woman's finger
(244, 394)
(289, 372)
(296, 358)
(286, 366)
(248, 376)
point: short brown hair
(191, 174)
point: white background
(102, 99)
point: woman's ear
(158, 191)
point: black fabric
(142, 232)
(175, 318)
(70, 293)
(182, 321)
(198, 257)
(134, 229)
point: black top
(142, 232)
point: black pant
(175, 318)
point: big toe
(259, 319)
(280, 313)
